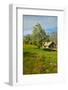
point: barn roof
(48, 43)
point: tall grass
(39, 61)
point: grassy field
(39, 61)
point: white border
(17, 12)
(12, 44)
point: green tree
(38, 35)
(47, 38)
(53, 37)
(27, 39)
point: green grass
(39, 61)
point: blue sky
(48, 23)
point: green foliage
(53, 37)
(27, 39)
(47, 38)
